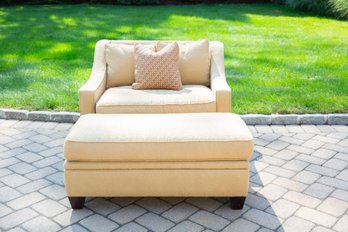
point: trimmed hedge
(335, 8)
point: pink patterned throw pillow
(157, 70)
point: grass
(277, 60)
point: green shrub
(336, 8)
(339, 8)
(138, 2)
(127, 2)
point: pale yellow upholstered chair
(109, 91)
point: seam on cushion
(154, 160)
(166, 141)
(151, 169)
(157, 161)
(198, 103)
(195, 162)
(166, 160)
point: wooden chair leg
(237, 202)
(77, 202)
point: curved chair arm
(91, 91)
(218, 81)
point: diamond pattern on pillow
(157, 70)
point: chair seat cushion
(159, 137)
(124, 99)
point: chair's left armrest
(92, 90)
(218, 81)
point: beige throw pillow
(120, 64)
(194, 62)
(157, 70)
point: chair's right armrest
(92, 90)
(218, 82)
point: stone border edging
(44, 116)
(250, 119)
(295, 119)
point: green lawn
(277, 60)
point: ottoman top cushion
(159, 137)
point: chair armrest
(92, 90)
(218, 82)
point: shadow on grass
(69, 32)
(60, 39)
(39, 35)
(54, 44)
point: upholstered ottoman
(119, 155)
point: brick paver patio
(298, 182)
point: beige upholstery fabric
(120, 63)
(171, 183)
(191, 98)
(157, 70)
(91, 91)
(148, 155)
(95, 87)
(159, 137)
(218, 83)
(148, 165)
(194, 62)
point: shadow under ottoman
(148, 155)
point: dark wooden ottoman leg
(77, 202)
(237, 202)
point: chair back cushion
(120, 63)
(194, 62)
